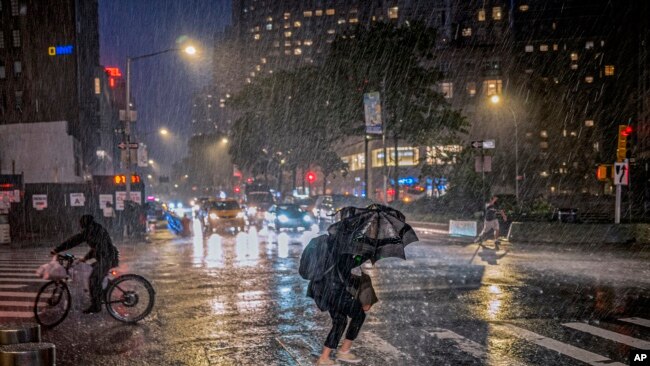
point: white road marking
(374, 342)
(16, 314)
(638, 321)
(608, 334)
(10, 285)
(2, 279)
(579, 354)
(18, 274)
(475, 349)
(28, 304)
(16, 269)
(21, 294)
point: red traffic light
(311, 177)
(237, 189)
(627, 131)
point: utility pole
(127, 129)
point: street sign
(131, 145)
(77, 199)
(39, 201)
(132, 113)
(483, 144)
(143, 156)
(483, 164)
(372, 112)
(621, 173)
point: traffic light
(624, 146)
(603, 172)
(121, 179)
(311, 177)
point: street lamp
(496, 100)
(190, 50)
(164, 131)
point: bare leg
(347, 344)
(496, 234)
(325, 355)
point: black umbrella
(374, 232)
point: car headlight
(240, 215)
(283, 219)
(213, 216)
(307, 218)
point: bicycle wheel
(52, 304)
(129, 298)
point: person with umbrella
(362, 234)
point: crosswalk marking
(608, 334)
(11, 285)
(14, 279)
(21, 294)
(16, 314)
(16, 269)
(579, 354)
(475, 349)
(638, 321)
(18, 274)
(28, 304)
(376, 343)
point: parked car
(224, 216)
(327, 206)
(288, 217)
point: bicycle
(128, 298)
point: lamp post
(495, 99)
(190, 50)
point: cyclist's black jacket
(101, 246)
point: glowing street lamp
(496, 100)
(164, 131)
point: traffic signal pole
(127, 129)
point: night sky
(162, 86)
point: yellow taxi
(224, 216)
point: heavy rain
(319, 182)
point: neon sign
(59, 50)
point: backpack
(316, 260)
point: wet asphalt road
(240, 301)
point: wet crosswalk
(18, 286)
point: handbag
(362, 290)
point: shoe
(93, 309)
(328, 362)
(348, 357)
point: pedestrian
(102, 250)
(490, 221)
(339, 293)
(109, 216)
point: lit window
(269, 19)
(287, 25)
(492, 87)
(393, 12)
(596, 146)
(574, 56)
(287, 43)
(297, 24)
(307, 13)
(574, 66)
(481, 15)
(297, 43)
(256, 29)
(98, 86)
(287, 34)
(529, 48)
(543, 134)
(543, 145)
(471, 88)
(543, 47)
(318, 13)
(253, 74)
(297, 51)
(248, 80)
(258, 67)
(555, 47)
(589, 123)
(589, 45)
(467, 32)
(447, 89)
(307, 42)
(589, 79)
(496, 13)
(523, 7)
(573, 134)
(276, 43)
(263, 60)
(15, 8)
(18, 68)
(353, 11)
(330, 11)
(609, 70)
(287, 52)
(341, 21)
(16, 37)
(3, 73)
(286, 16)
(353, 20)
(269, 26)
(19, 100)
(2, 39)
(256, 36)
(331, 31)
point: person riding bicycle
(102, 250)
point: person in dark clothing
(102, 250)
(331, 294)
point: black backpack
(316, 260)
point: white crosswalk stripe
(18, 287)
(579, 354)
(638, 321)
(470, 347)
(608, 334)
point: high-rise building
(49, 60)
